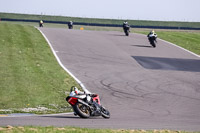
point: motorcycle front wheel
(82, 110)
(105, 113)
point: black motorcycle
(126, 29)
(70, 25)
(86, 105)
(152, 40)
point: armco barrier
(98, 24)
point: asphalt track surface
(143, 87)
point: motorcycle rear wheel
(82, 110)
(127, 33)
(105, 113)
(153, 44)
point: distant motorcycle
(41, 23)
(70, 25)
(126, 29)
(152, 39)
(86, 105)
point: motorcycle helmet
(125, 22)
(76, 90)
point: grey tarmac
(143, 87)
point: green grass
(31, 129)
(30, 74)
(102, 21)
(186, 39)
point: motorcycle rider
(78, 92)
(70, 25)
(152, 34)
(125, 25)
(41, 23)
(126, 28)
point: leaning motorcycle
(126, 29)
(152, 40)
(86, 105)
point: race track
(143, 87)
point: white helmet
(76, 90)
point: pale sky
(164, 10)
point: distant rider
(76, 92)
(126, 26)
(41, 23)
(152, 34)
(70, 25)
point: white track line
(60, 63)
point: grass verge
(31, 129)
(31, 79)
